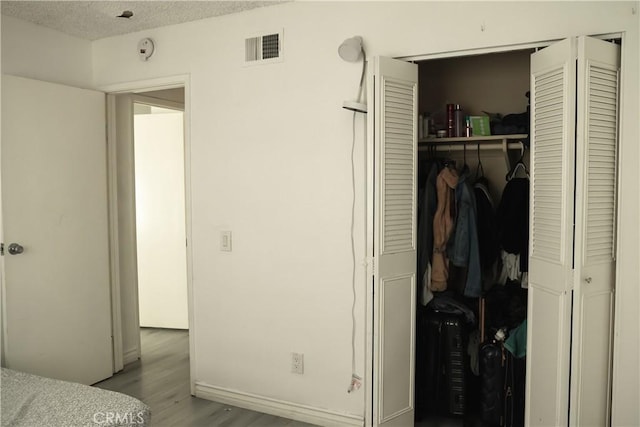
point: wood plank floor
(161, 380)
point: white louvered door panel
(395, 117)
(548, 164)
(594, 275)
(601, 138)
(551, 237)
(398, 221)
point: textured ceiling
(94, 20)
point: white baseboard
(130, 355)
(280, 408)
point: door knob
(15, 249)
(588, 280)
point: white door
(395, 117)
(572, 230)
(54, 199)
(551, 222)
(594, 275)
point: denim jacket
(463, 249)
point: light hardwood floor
(161, 380)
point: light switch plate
(225, 241)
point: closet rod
(503, 146)
(457, 146)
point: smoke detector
(145, 49)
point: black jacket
(513, 220)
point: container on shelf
(451, 128)
(458, 118)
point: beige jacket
(443, 223)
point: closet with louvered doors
(571, 253)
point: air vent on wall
(264, 48)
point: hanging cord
(355, 379)
(353, 248)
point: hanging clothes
(517, 341)
(487, 232)
(513, 220)
(443, 222)
(510, 267)
(427, 206)
(513, 230)
(463, 248)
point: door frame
(139, 87)
(369, 202)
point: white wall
(29, 50)
(270, 161)
(160, 219)
(279, 180)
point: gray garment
(473, 350)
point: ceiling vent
(262, 49)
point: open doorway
(149, 192)
(149, 350)
(158, 142)
(160, 214)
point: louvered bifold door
(594, 276)
(395, 117)
(553, 72)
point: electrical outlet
(297, 363)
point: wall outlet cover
(297, 363)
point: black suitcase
(432, 372)
(445, 365)
(454, 362)
(514, 391)
(492, 383)
(422, 356)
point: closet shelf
(473, 139)
(492, 142)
